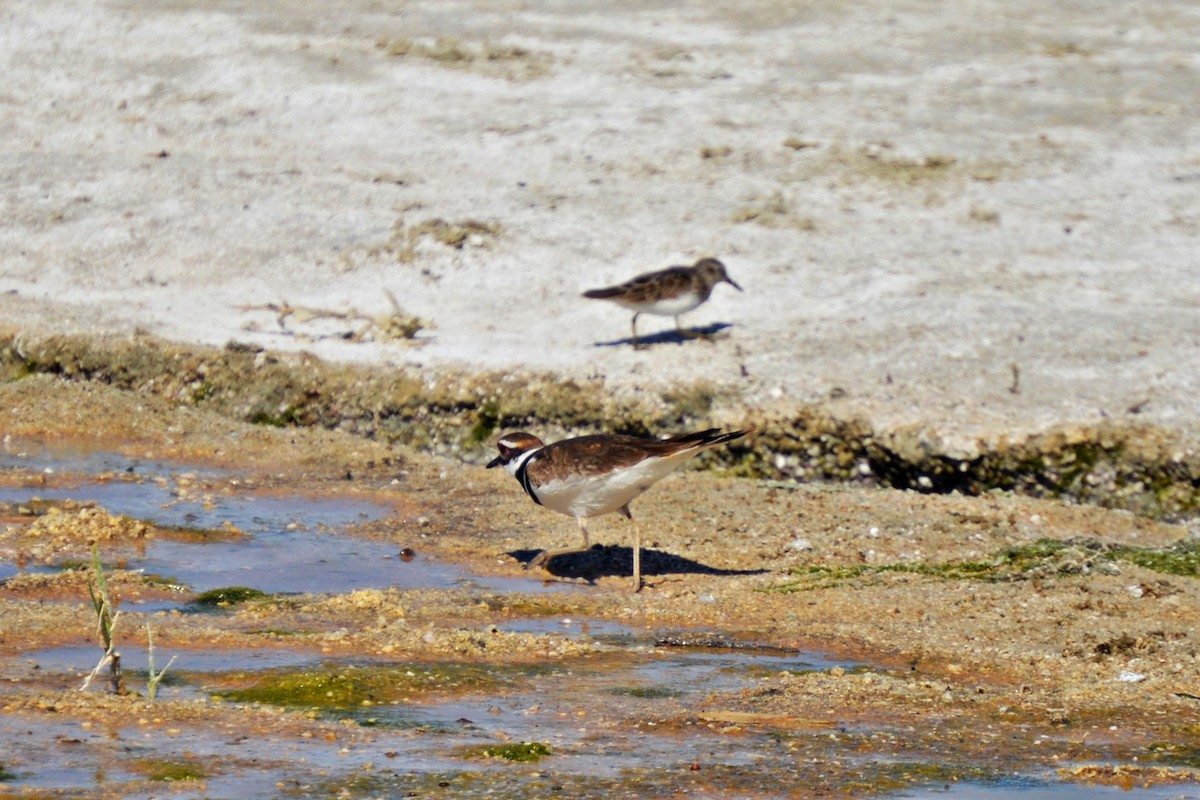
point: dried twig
(106, 625)
(154, 677)
(394, 326)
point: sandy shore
(1001, 634)
(976, 221)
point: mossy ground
(227, 596)
(169, 771)
(342, 688)
(1115, 465)
(1041, 558)
(523, 752)
(989, 622)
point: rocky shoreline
(1140, 467)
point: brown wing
(601, 454)
(670, 282)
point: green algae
(344, 688)
(320, 689)
(169, 771)
(228, 596)
(1182, 558)
(1020, 562)
(524, 752)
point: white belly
(670, 307)
(591, 496)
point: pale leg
(637, 549)
(636, 346)
(545, 556)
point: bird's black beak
(495, 462)
(731, 282)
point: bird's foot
(543, 558)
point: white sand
(943, 189)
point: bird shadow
(710, 332)
(604, 561)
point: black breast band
(523, 477)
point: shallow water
(295, 542)
(81, 658)
(559, 708)
(63, 756)
(555, 708)
(53, 457)
(561, 711)
(1031, 788)
(598, 716)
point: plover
(668, 292)
(592, 475)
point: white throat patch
(514, 465)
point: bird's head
(714, 272)
(512, 446)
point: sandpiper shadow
(604, 561)
(708, 332)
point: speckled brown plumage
(653, 286)
(668, 292)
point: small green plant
(228, 596)
(153, 676)
(522, 751)
(170, 771)
(106, 624)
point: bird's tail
(602, 294)
(710, 437)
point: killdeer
(592, 475)
(668, 292)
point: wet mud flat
(352, 619)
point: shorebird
(592, 475)
(668, 292)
